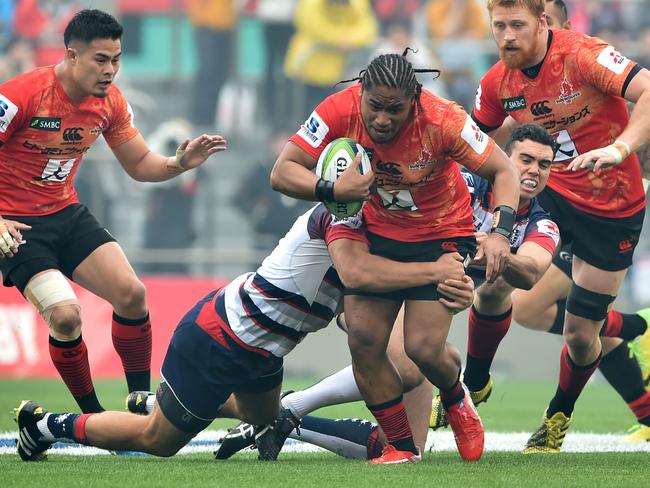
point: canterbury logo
(72, 134)
(540, 108)
(71, 354)
(449, 246)
(625, 246)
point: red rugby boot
(467, 427)
(390, 455)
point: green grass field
(513, 407)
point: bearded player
(575, 86)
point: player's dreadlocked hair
(393, 71)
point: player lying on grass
(225, 357)
(533, 242)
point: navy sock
(61, 425)
(350, 438)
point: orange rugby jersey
(577, 97)
(420, 193)
(43, 137)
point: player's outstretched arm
(142, 164)
(361, 270)
(635, 135)
(527, 266)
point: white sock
(151, 401)
(42, 427)
(333, 390)
(337, 445)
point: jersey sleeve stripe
(485, 128)
(628, 80)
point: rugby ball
(333, 161)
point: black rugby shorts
(61, 240)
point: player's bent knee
(366, 343)
(52, 296)
(494, 293)
(580, 337)
(424, 354)
(588, 304)
(64, 321)
(132, 295)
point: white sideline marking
(437, 442)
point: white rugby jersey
(296, 290)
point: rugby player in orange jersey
(543, 307)
(574, 85)
(419, 212)
(49, 118)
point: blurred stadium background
(252, 70)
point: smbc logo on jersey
(73, 134)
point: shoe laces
(554, 433)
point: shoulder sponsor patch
(52, 124)
(314, 130)
(8, 111)
(474, 136)
(613, 60)
(514, 103)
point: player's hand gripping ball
(333, 161)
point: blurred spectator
(458, 28)
(169, 223)
(43, 22)
(644, 48)
(19, 57)
(270, 213)
(390, 11)
(214, 28)
(327, 33)
(398, 37)
(6, 22)
(452, 19)
(277, 17)
(580, 15)
(607, 21)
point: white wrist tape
(619, 150)
(176, 163)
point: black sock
(89, 403)
(558, 323)
(623, 373)
(477, 372)
(633, 326)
